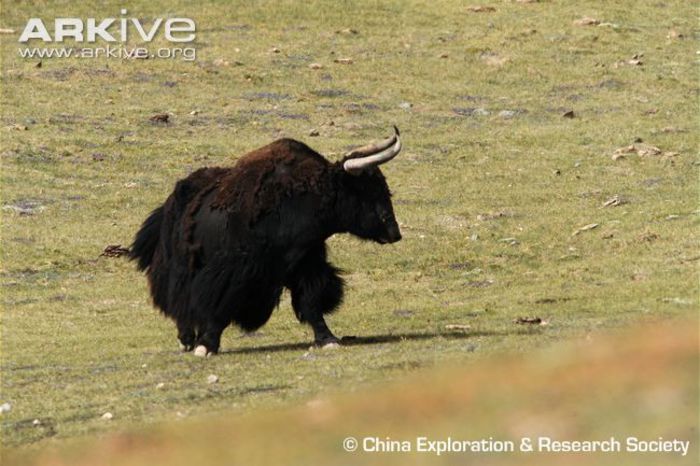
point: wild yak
(228, 240)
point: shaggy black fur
(228, 240)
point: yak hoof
(201, 351)
(185, 348)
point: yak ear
(372, 155)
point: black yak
(227, 241)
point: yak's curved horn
(373, 154)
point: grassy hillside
(496, 191)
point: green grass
(79, 337)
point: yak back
(262, 179)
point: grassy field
(496, 191)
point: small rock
(343, 61)
(672, 129)
(443, 55)
(212, 378)
(160, 118)
(462, 327)
(586, 21)
(506, 114)
(588, 227)
(160, 385)
(107, 416)
(569, 114)
(201, 351)
(220, 62)
(36, 422)
(114, 250)
(614, 201)
(480, 9)
(529, 321)
(275, 50)
(330, 346)
(673, 34)
(194, 112)
(316, 66)
(5, 408)
(474, 237)
(405, 105)
(314, 132)
(647, 150)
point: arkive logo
(110, 29)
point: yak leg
(209, 338)
(316, 290)
(186, 336)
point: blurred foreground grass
(641, 384)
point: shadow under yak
(372, 340)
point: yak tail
(146, 239)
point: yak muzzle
(393, 236)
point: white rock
(107, 416)
(36, 422)
(5, 408)
(331, 346)
(160, 385)
(212, 378)
(201, 351)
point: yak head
(365, 200)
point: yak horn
(373, 154)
